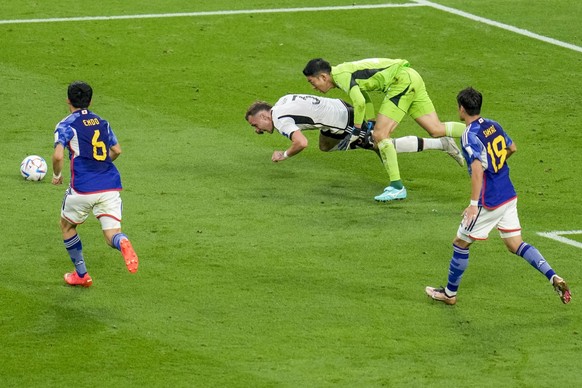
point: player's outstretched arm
(298, 143)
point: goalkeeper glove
(352, 135)
(368, 125)
(366, 140)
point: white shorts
(106, 206)
(504, 218)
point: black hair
(80, 94)
(316, 66)
(471, 100)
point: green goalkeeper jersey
(374, 74)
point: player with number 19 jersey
(88, 138)
(486, 141)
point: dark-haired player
(486, 147)
(404, 94)
(95, 181)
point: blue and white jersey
(487, 142)
(88, 138)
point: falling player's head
(80, 94)
(259, 117)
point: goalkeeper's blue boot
(391, 194)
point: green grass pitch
(254, 274)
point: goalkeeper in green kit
(405, 93)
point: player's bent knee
(379, 136)
(462, 241)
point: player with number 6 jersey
(95, 181)
(89, 138)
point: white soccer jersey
(294, 112)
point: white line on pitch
(209, 13)
(558, 236)
(507, 27)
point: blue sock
(116, 240)
(535, 258)
(458, 265)
(75, 250)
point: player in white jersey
(334, 118)
(301, 111)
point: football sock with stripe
(410, 144)
(117, 239)
(535, 258)
(453, 129)
(416, 144)
(75, 251)
(459, 263)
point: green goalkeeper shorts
(406, 95)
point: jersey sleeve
(112, 138)
(370, 113)
(361, 101)
(508, 140)
(63, 134)
(285, 125)
(473, 150)
(473, 147)
(343, 80)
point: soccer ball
(33, 168)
